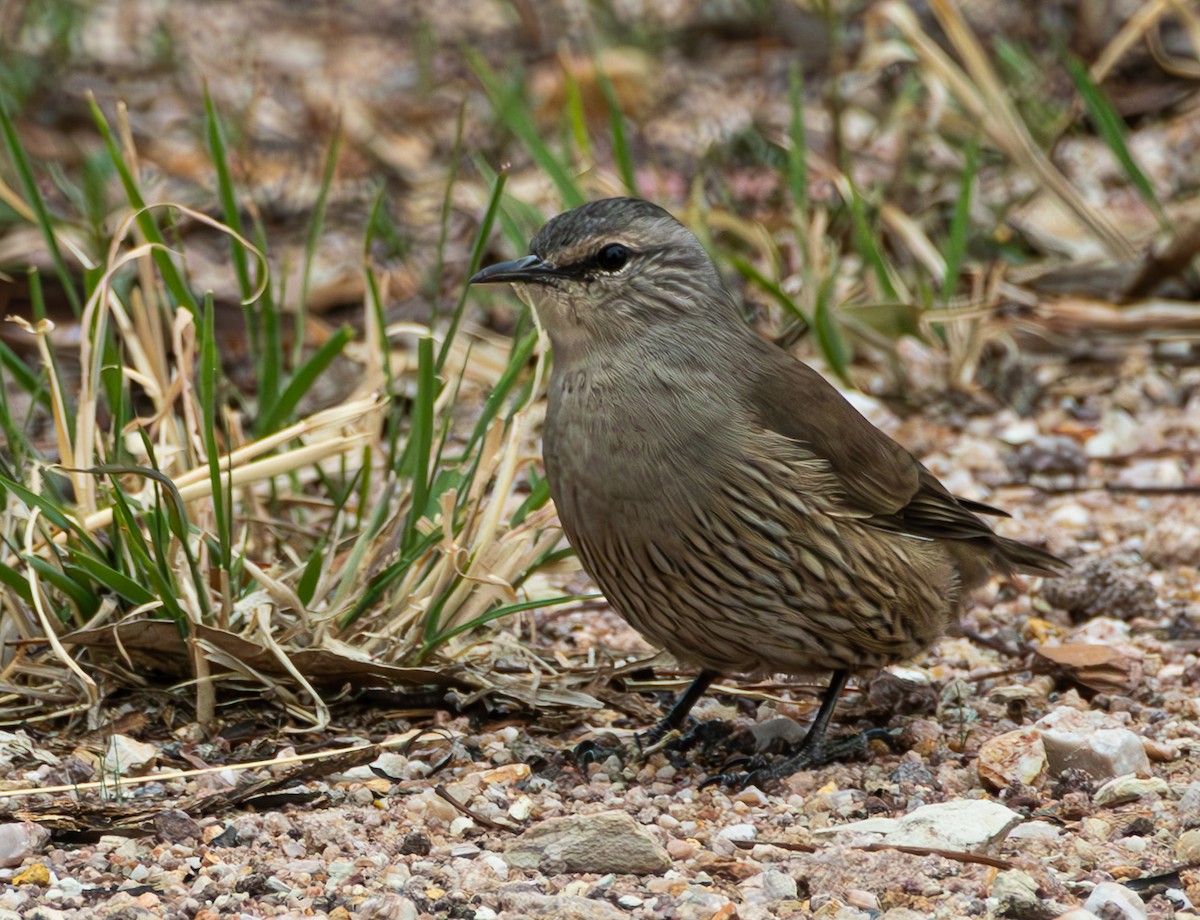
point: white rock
(1070, 516)
(1083, 741)
(19, 841)
(739, 832)
(1129, 788)
(1152, 474)
(126, 755)
(1036, 830)
(964, 824)
(1115, 902)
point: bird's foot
(743, 772)
(598, 749)
(661, 737)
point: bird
(730, 503)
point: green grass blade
(228, 196)
(513, 113)
(222, 496)
(867, 245)
(508, 610)
(418, 452)
(160, 253)
(829, 337)
(482, 236)
(315, 225)
(304, 379)
(80, 595)
(131, 590)
(620, 139)
(1111, 129)
(41, 213)
(797, 152)
(960, 224)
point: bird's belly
(740, 602)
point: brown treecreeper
(728, 501)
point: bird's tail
(1029, 559)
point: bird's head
(615, 269)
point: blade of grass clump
(17, 583)
(748, 271)
(539, 494)
(867, 244)
(161, 253)
(518, 219)
(51, 511)
(797, 152)
(386, 576)
(150, 568)
(576, 117)
(960, 224)
(829, 336)
(41, 213)
(1111, 128)
(442, 638)
(222, 497)
(304, 379)
(415, 462)
(616, 122)
(131, 590)
(374, 302)
(168, 517)
(315, 225)
(37, 302)
(522, 351)
(84, 600)
(230, 212)
(513, 113)
(482, 236)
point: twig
(444, 793)
(994, 861)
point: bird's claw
(736, 782)
(596, 750)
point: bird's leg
(677, 717)
(812, 750)
(653, 739)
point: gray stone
(779, 886)
(537, 906)
(608, 842)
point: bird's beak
(532, 269)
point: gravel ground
(1028, 785)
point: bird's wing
(881, 481)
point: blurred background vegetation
(253, 435)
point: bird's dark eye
(612, 258)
